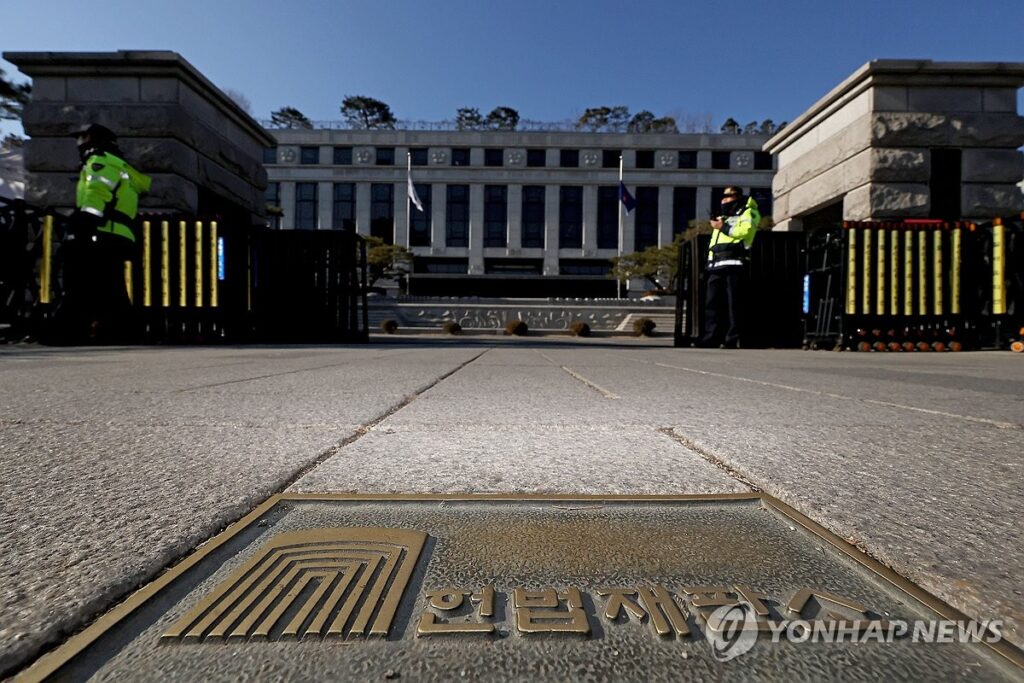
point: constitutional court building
(509, 213)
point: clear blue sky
(549, 59)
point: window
(385, 156)
(309, 155)
(305, 206)
(570, 218)
(720, 160)
(687, 159)
(344, 213)
(418, 156)
(457, 218)
(382, 212)
(763, 197)
(493, 157)
(458, 266)
(610, 158)
(538, 158)
(684, 208)
(762, 161)
(270, 155)
(584, 267)
(608, 217)
(495, 215)
(420, 221)
(645, 158)
(342, 156)
(533, 217)
(569, 158)
(646, 225)
(460, 156)
(272, 198)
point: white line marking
(596, 387)
(970, 418)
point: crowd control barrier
(912, 285)
(195, 281)
(771, 315)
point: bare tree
(13, 96)
(239, 99)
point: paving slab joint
(711, 458)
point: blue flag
(626, 198)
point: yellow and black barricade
(912, 285)
(196, 280)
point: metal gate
(196, 281)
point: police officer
(731, 238)
(102, 237)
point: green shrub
(451, 327)
(389, 326)
(516, 327)
(643, 327)
(579, 328)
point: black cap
(732, 192)
(97, 132)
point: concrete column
(590, 220)
(703, 203)
(325, 205)
(515, 217)
(551, 229)
(703, 159)
(664, 216)
(401, 199)
(438, 199)
(288, 205)
(476, 229)
(363, 208)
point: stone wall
(869, 143)
(203, 151)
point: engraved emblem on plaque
(452, 600)
(590, 158)
(543, 611)
(334, 582)
(744, 159)
(363, 156)
(667, 159)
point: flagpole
(618, 280)
(408, 200)
(408, 220)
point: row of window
(568, 158)
(495, 221)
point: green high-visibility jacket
(109, 188)
(731, 244)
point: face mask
(729, 207)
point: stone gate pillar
(203, 151)
(906, 139)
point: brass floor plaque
(541, 588)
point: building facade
(509, 213)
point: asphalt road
(116, 463)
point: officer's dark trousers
(96, 304)
(723, 306)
